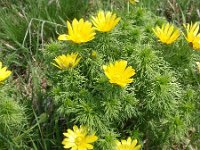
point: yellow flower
(198, 66)
(127, 145)
(118, 73)
(167, 34)
(79, 31)
(105, 22)
(196, 43)
(133, 1)
(67, 61)
(192, 35)
(192, 31)
(4, 73)
(77, 139)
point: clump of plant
(116, 80)
(12, 114)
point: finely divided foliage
(107, 84)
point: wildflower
(196, 43)
(133, 1)
(77, 139)
(118, 73)
(167, 34)
(192, 35)
(79, 31)
(127, 145)
(198, 66)
(67, 61)
(4, 73)
(105, 22)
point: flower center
(70, 64)
(118, 77)
(79, 140)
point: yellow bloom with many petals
(67, 61)
(105, 21)
(127, 145)
(192, 35)
(4, 73)
(133, 1)
(79, 31)
(77, 139)
(118, 73)
(167, 33)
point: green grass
(179, 11)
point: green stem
(128, 7)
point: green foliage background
(160, 109)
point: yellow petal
(123, 141)
(134, 142)
(91, 138)
(89, 146)
(129, 141)
(62, 37)
(138, 147)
